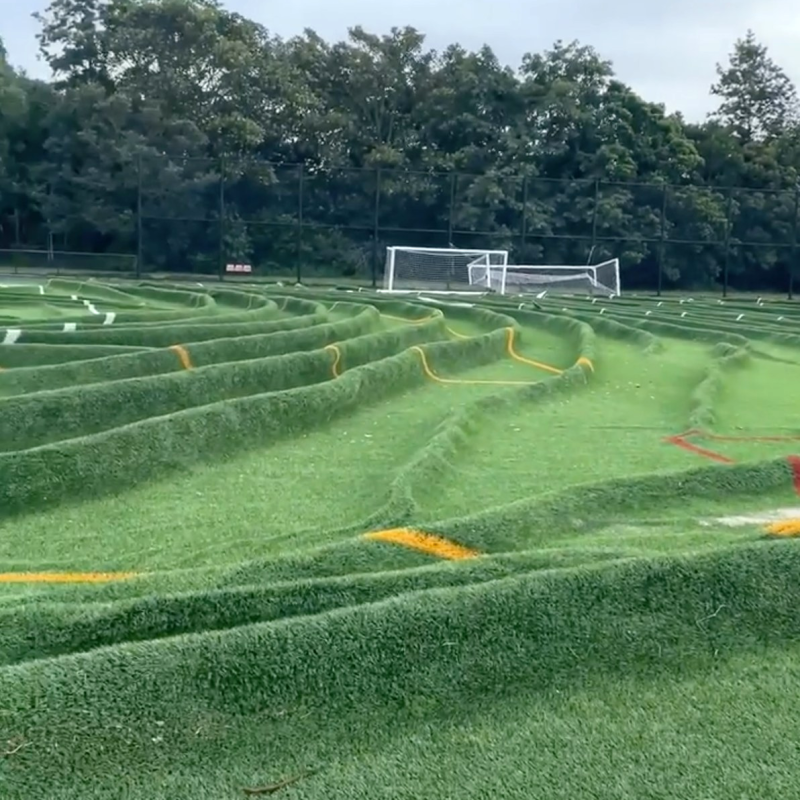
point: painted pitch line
(412, 321)
(183, 355)
(794, 464)
(12, 335)
(65, 577)
(529, 361)
(785, 528)
(456, 333)
(427, 543)
(337, 357)
(680, 441)
(429, 373)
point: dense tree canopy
(189, 135)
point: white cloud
(667, 53)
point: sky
(666, 52)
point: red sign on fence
(238, 268)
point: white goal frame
(501, 279)
(392, 280)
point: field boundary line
(65, 577)
(337, 357)
(428, 543)
(183, 355)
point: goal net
(524, 278)
(439, 269)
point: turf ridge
(238, 624)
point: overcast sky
(666, 52)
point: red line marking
(794, 463)
(680, 441)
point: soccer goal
(448, 269)
(524, 278)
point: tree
(757, 98)
(73, 43)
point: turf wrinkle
(250, 532)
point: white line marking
(110, 317)
(73, 297)
(70, 327)
(12, 334)
(41, 289)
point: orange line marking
(427, 543)
(786, 527)
(183, 355)
(65, 577)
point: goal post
(438, 268)
(522, 278)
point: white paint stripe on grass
(12, 334)
(110, 317)
(41, 289)
(73, 297)
(70, 327)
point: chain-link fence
(197, 216)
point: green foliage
(758, 99)
(201, 121)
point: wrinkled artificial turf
(613, 640)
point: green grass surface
(231, 445)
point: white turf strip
(110, 317)
(70, 327)
(12, 334)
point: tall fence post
(662, 240)
(594, 218)
(524, 231)
(450, 226)
(300, 201)
(139, 219)
(452, 208)
(793, 253)
(221, 211)
(726, 260)
(376, 227)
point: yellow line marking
(337, 357)
(434, 377)
(424, 542)
(183, 355)
(530, 362)
(65, 577)
(786, 527)
(585, 361)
